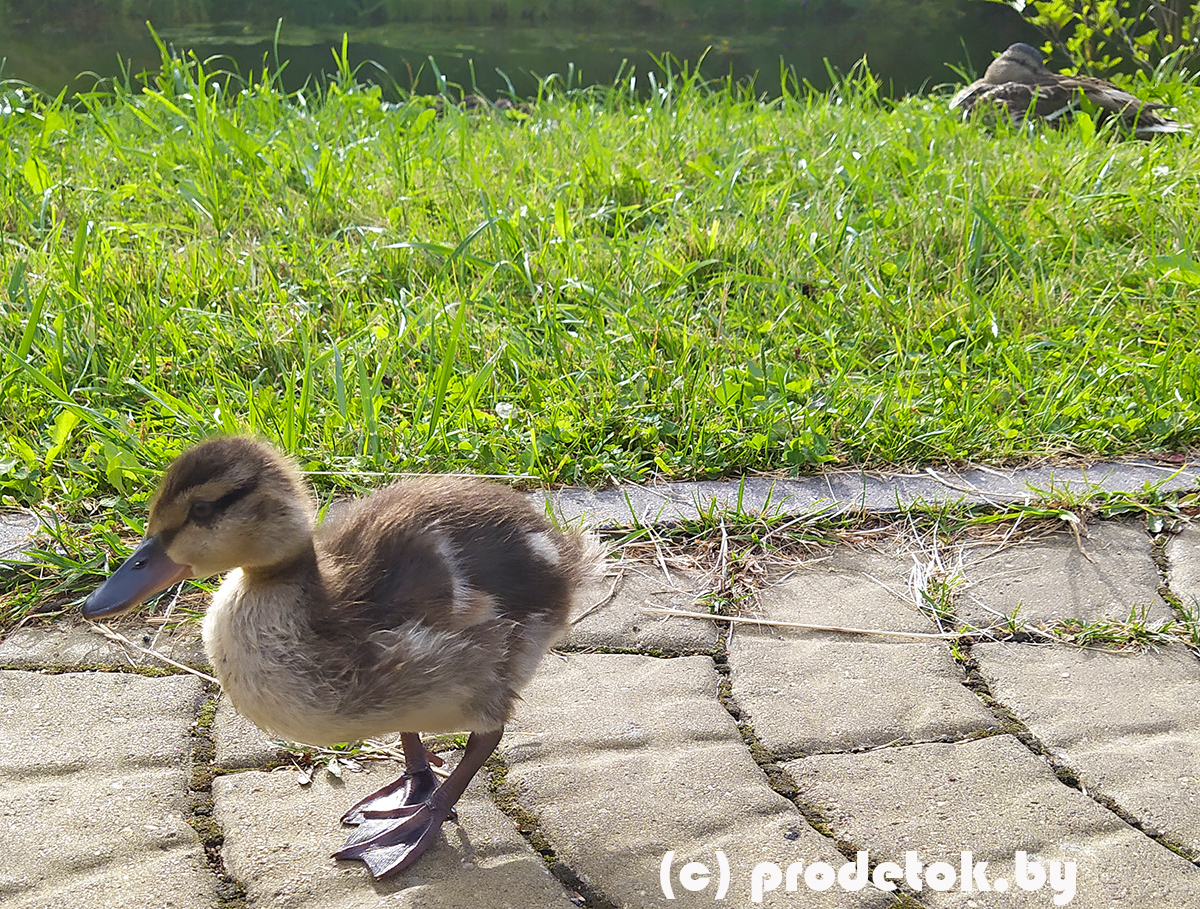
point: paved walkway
(650, 746)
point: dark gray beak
(143, 574)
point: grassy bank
(611, 288)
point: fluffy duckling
(425, 606)
(1018, 81)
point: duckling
(1018, 81)
(425, 606)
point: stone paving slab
(807, 691)
(279, 837)
(17, 532)
(1051, 580)
(1183, 571)
(238, 743)
(1127, 723)
(93, 792)
(992, 797)
(624, 757)
(621, 623)
(69, 643)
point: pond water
(909, 49)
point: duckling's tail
(582, 550)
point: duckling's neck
(300, 567)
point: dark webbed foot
(387, 845)
(409, 789)
(414, 787)
(395, 826)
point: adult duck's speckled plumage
(425, 606)
(1018, 82)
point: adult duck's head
(1019, 63)
(227, 503)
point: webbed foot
(406, 791)
(395, 825)
(390, 843)
(413, 787)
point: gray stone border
(847, 492)
(836, 492)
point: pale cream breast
(257, 645)
(277, 676)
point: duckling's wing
(449, 553)
(378, 584)
(524, 566)
(387, 565)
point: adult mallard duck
(425, 606)
(1020, 83)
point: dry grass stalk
(746, 620)
(113, 635)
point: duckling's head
(1019, 63)
(230, 502)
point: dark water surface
(909, 51)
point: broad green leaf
(1180, 267)
(66, 421)
(421, 123)
(52, 122)
(37, 174)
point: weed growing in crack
(1190, 622)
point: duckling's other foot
(414, 787)
(389, 840)
(409, 790)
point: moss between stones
(153, 672)
(505, 797)
(206, 715)
(210, 832)
(1066, 775)
(656, 652)
(231, 893)
(1158, 555)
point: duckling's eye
(205, 511)
(202, 511)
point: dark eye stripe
(215, 507)
(238, 492)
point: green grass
(694, 284)
(1136, 632)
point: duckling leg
(412, 788)
(390, 840)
